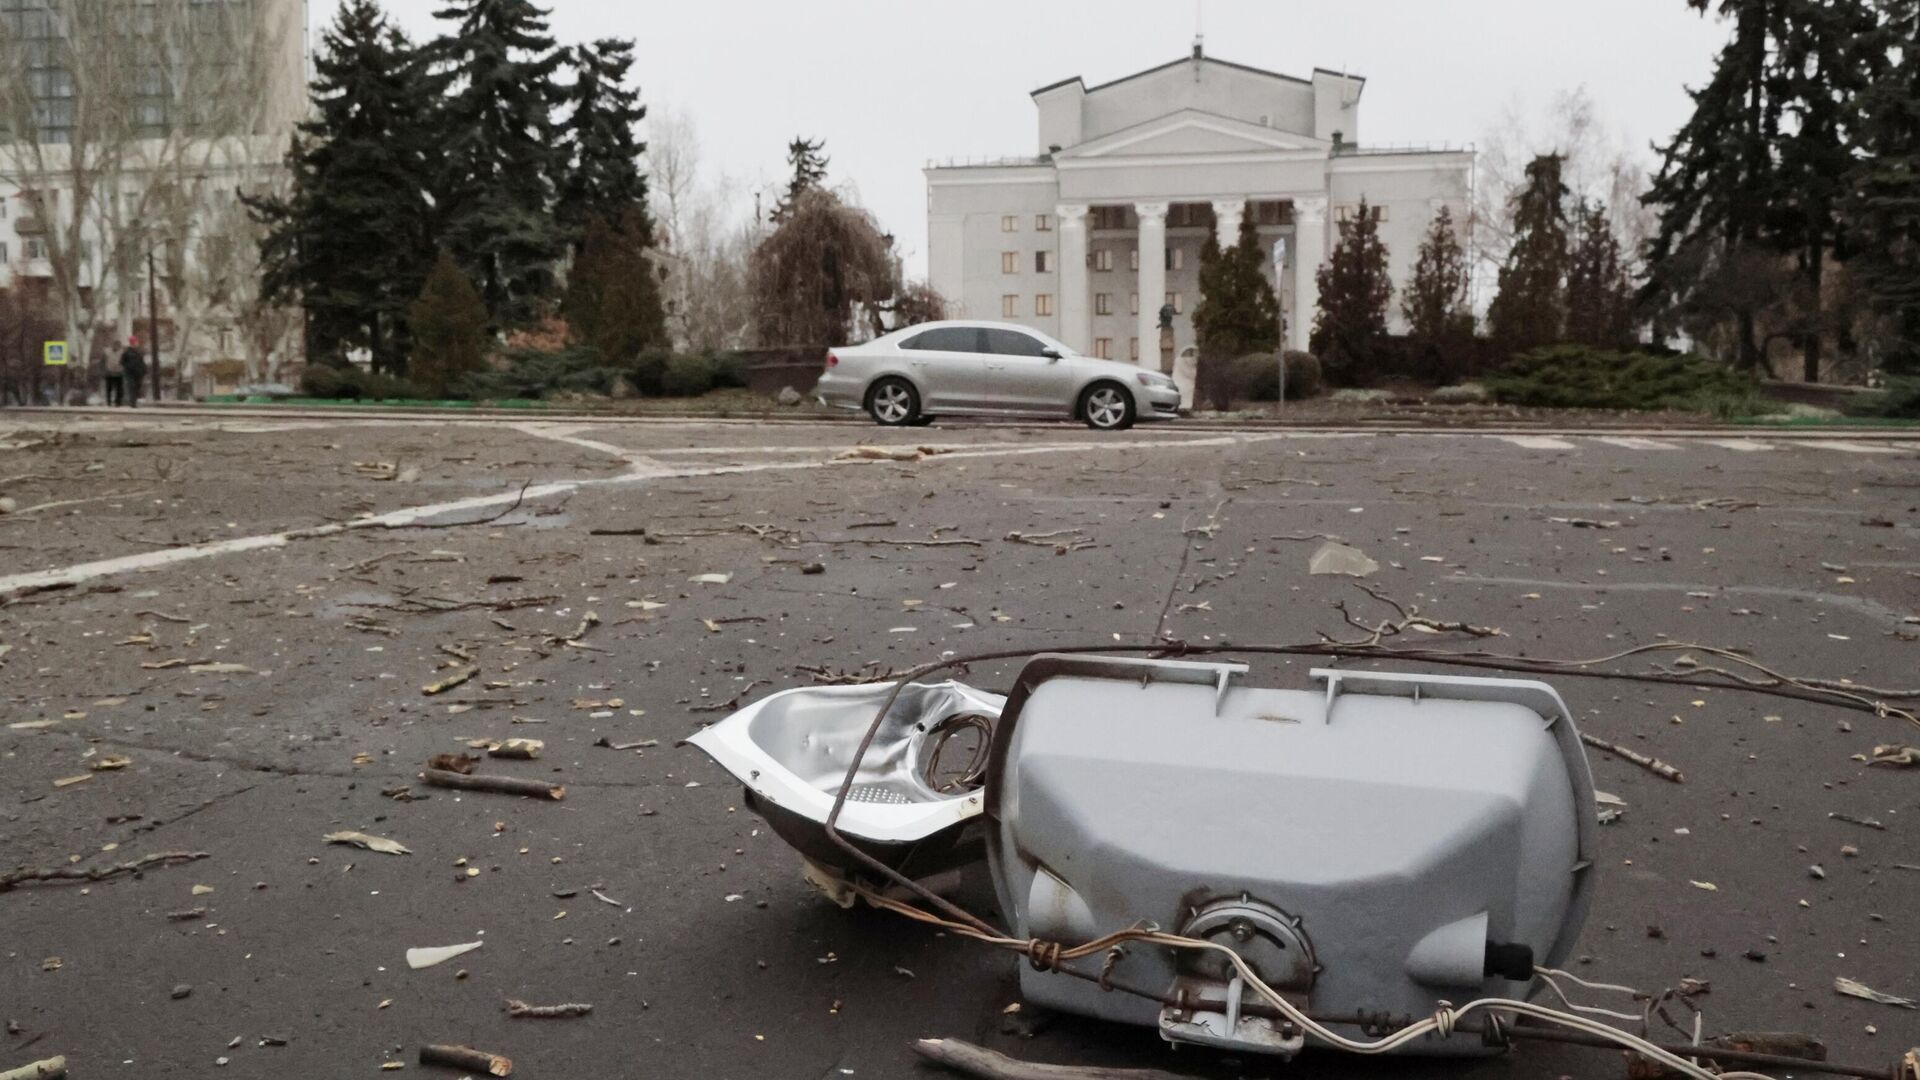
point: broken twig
(97, 873)
(547, 1012)
(466, 1057)
(504, 785)
(1651, 764)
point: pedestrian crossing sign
(54, 353)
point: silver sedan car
(989, 369)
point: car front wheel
(1107, 407)
(893, 403)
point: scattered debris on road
(1333, 558)
(503, 785)
(428, 956)
(1651, 764)
(371, 843)
(547, 1012)
(466, 1057)
(23, 875)
(1860, 990)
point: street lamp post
(153, 324)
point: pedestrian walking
(109, 375)
(133, 368)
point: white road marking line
(1851, 447)
(1536, 442)
(1743, 445)
(1632, 442)
(642, 472)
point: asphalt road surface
(247, 611)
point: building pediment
(1191, 132)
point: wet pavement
(248, 610)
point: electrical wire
(1046, 954)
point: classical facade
(1092, 237)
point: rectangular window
(1133, 304)
(1133, 349)
(1103, 303)
(1009, 262)
(1108, 217)
(1009, 223)
(32, 249)
(1176, 258)
(1272, 212)
(1103, 348)
(1009, 306)
(1133, 259)
(1043, 262)
(1043, 304)
(1103, 259)
(3, 252)
(1173, 298)
(1043, 223)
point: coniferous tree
(350, 243)
(1758, 173)
(1530, 308)
(1238, 313)
(1599, 293)
(1885, 185)
(449, 329)
(602, 177)
(495, 194)
(1435, 300)
(613, 294)
(809, 165)
(1354, 293)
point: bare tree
(1598, 165)
(121, 122)
(707, 242)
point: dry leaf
(1861, 990)
(523, 749)
(711, 579)
(1707, 885)
(459, 676)
(219, 668)
(109, 762)
(371, 843)
(69, 781)
(1894, 754)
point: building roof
(1197, 55)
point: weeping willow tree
(808, 276)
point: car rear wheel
(893, 403)
(1107, 407)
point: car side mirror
(1051, 354)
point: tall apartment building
(1092, 236)
(153, 113)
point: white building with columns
(1090, 238)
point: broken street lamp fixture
(1254, 869)
(1376, 845)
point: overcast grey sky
(891, 84)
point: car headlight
(1150, 378)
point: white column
(1152, 281)
(1076, 317)
(1226, 221)
(1309, 250)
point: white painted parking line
(1852, 447)
(1631, 442)
(1536, 442)
(1744, 445)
